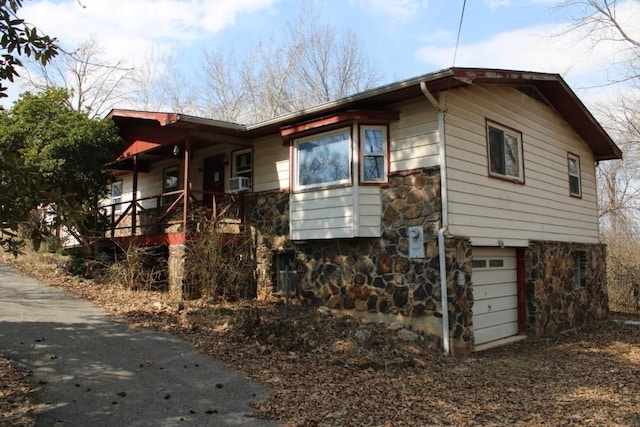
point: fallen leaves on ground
(326, 370)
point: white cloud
(546, 48)
(129, 28)
(398, 10)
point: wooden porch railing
(163, 213)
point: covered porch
(173, 175)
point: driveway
(91, 370)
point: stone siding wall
(375, 276)
(554, 302)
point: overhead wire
(455, 52)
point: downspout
(444, 297)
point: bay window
(323, 160)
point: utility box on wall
(416, 242)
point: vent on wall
(238, 184)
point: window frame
(167, 200)
(580, 262)
(520, 179)
(116, 201)
(248, 172)
(570, 157)
(315, 137)
(384, 154)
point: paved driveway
(91, 370)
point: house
(468, 189)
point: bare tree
(159, 85)
(223, 92)
(608, 21)
(94, 84)
(312, 64)
(619, 180)
(332, 66)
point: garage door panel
(495, 276)
(488, 334)
(495, 307)
(492, 291)
(494, 318)
(495, 304)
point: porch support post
(185, 184)
(134, 199)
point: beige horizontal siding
(270, 164)
(414, 138)
(484, 208)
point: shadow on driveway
(89, 369)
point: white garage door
(495, 295)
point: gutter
(444, 297)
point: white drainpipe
(444, 217)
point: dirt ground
(325, 370)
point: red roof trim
(162, 118)
(347, 116)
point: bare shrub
(220, 260)
(623, 275)
(138, 268)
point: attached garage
(495, 295)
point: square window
(575, 186)
(505, 152)
(373, 151)
(323, 160)
(242, 163)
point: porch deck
(168, 218)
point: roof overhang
(152, 135)
(552, 88)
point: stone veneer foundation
(554, 303)
(375, 277)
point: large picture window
(505, 152)
(575, 187)
(373, 152)
(323, 160)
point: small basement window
(579, 269)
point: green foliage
(21, 191)
(68, 151)
(20, 39)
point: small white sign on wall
(416, 242)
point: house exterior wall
(374, 277)
(270, 164)
(487, 209)
(353, 210)
(554, 303)
(414, 138)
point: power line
(455, 52)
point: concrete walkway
(91, 370)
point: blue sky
(403, 38)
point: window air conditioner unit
(238, 184)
